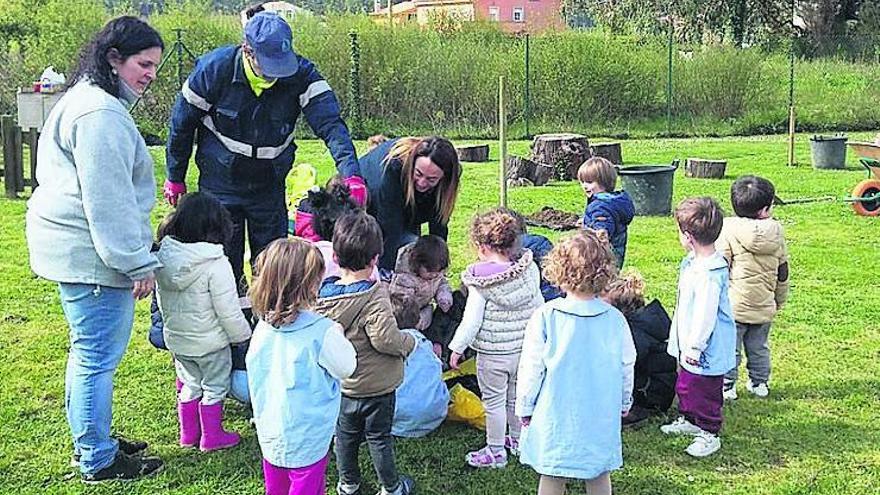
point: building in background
(518, 16)
(514, 16)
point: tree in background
(740, 22)
(823, 24)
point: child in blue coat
(703, 334)
(422, 399)
(295, 362)
(607, 209)
(575, 373)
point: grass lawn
(817, 433)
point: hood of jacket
(345, 308)
(515, 270)
(183, 263)
(762, 237)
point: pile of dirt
(554, 219)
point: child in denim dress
(575, 373)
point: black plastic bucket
(650, 187)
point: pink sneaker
(512, 444)
(486, 458)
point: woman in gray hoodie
(88, 229)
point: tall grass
(417, 81)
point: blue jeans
(100, 320)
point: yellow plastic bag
(468, 367)
(302, 178)
(465, 406)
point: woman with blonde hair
(411, 181)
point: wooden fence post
(17, 145)
(10, 167)
(33, 140)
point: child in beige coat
(754, 245)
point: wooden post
(17, 146)
(7, 124)
(502, 142)
(791, 128)
(390, 14)
(33, 140)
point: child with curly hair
(504, 289)
(576, 372)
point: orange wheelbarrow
(866, 195)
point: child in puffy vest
(754, 245)
(295, 363)
(504, 289)
(607, 209)
(420, 273)
(576, 373)
(703, 334)
(198, 298)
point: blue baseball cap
(271, 39)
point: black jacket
(655, 370)
(386, 203)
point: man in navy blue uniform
(240, 105)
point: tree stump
(520, 182)
(543, 174)
(564, 152)
(537, 174)
(473, 153)
(707, 169)
(520, 168)
(608, 151)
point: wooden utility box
(33, 108)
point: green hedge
(427, 81)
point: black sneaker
(124, 468)
(126, 446)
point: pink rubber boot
(190, 425)
(214, 437)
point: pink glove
(358, 189)
(303, 226)
(173, 191)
